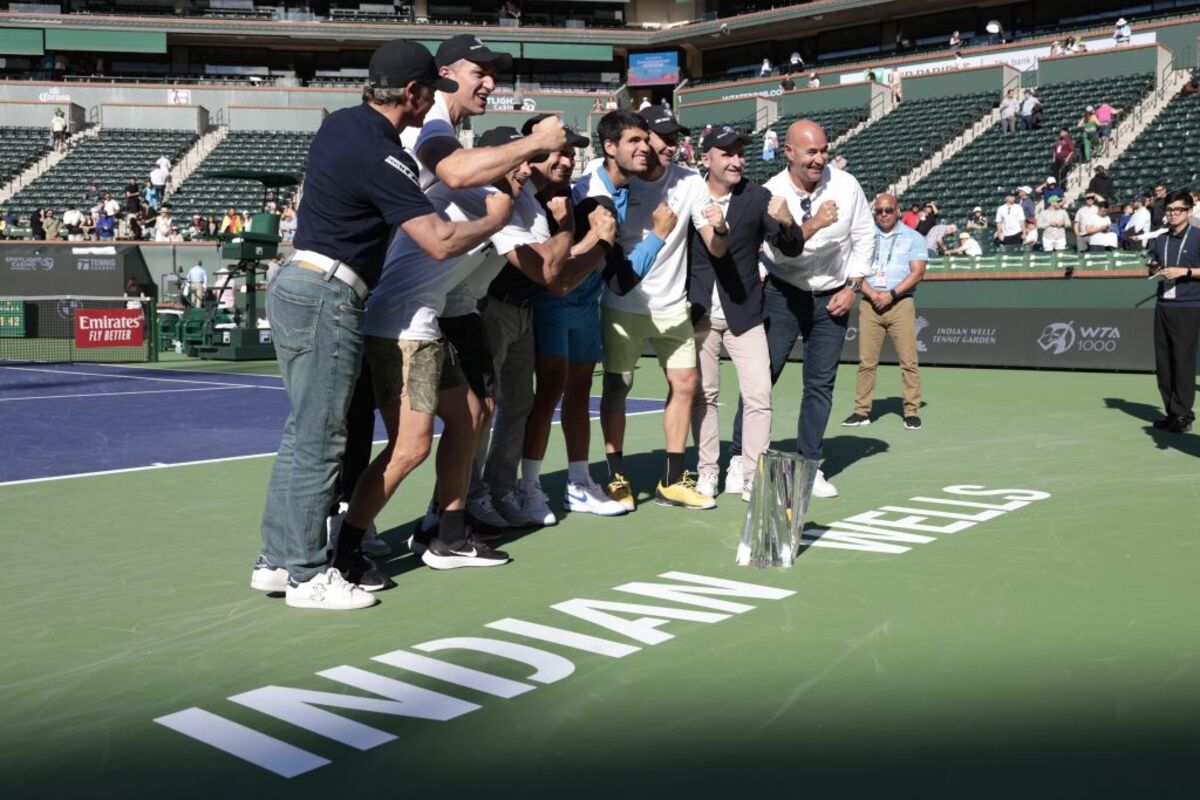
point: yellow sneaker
(619, 489)
(683, 494)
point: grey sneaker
(484, 514)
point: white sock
(577, 472)
(531, 471)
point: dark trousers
(1175, 334)
(360, 433)
(791, 314)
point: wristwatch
(895, 296)
(855, 285)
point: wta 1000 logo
(1061, 337)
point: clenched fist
(603, 224)
(560, 209)
(777, 209)
(499, 207)
(715, 217)
(826, 215)
(664, 220)
(549, 135)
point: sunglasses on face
(879, 212)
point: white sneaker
(590, 498)
(822, 487)
(508, 505)
(483, 512)
(734, 483)
(707, 484)
(328, 590)
(535, 506)
(267, 577)
(747, 490)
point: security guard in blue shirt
(888, 308)
(360, 185)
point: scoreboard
(12, 319)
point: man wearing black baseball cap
(360, 186)
(664, 141)
(471, 66)
(726, 296)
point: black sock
(453, 526)
(349, 542)
(674, 468)
(616, 463)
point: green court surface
(1050, 651)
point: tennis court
(1048, 649)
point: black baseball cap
(574, 137)
(661, 120)
(498, 136)
(399, 62)
(471, 48)
(724, 136)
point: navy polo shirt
(1179, 250)
(360, 184)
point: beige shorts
(626, 334)
(419, 369)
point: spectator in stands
(1049, 189)
(813, 81)
(897, 87)
(1053, 222)
(956, 41)
(175, 234)
(133, 195)
(1025, 201)
(959, 62)
(105, 226)
(1030, 108)
(91, 194)
(597, 106)
(37, 225)
(764, 70)
(1101, 185)
(51, 224)
(645, 102)
(162, 225)
(72, 222)
(611, 104)
(87, 226)
(1104, 115)
(510, 10)
(1083, 221)
(935, 240)
(929, 219)
(839, 162)
(1090, 126)
(1102, 235)
(1122, 32)
(147, 216)
(795, 62)
(158, 180)
(977, 221)
(912, 217)
(1157, 206)
(1056, 48)
(1194, 219)
(1133, 234)
(686, 153)
(58, 130)
(770, 145)
(1064, 149)
(163, 162)
(287, 222)
(110, 206)
(1010, 222)
(787, 84)
(1191, 87)
(149, 196)
(967, 246)
(231, 223)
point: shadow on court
(888, 406)
(1186, 443)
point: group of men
(479, 287)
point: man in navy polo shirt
(360, 185)
(1176, 261)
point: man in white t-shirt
(809, 296)
(1010, 222)
(197, 280)
(72, 220)
(158, 179)
(656, 309)
(1054, 222)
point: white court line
(114, 394)
(144, 378)
(125, 470)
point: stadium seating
(20, 147)
(893, 145)
(1164, 152)
(835, 122)
(265, 151)
(108, 160)
(995, 163)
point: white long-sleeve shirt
(843, 250)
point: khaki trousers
(898, 322)
(752, 360)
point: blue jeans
(317, 327)
(793, 313)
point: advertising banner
(113, 327)
(653, 69)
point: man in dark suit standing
(726, 295)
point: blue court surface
(79, 419)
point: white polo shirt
(1011, 219)
(413, 290)
(664, 288)
(437, 124)
(837, 252)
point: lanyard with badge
(1169, 286)
(879, 277)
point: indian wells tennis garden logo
(625, 628)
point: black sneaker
(912, 423)
(1162, 423)
(362, 572)
(856, 421)
(470, 552)
(418, 542)
(1179, 425)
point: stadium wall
(24, 114)
(1143, 60)
(275, 118)
(154, 117)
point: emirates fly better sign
(113, 327)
